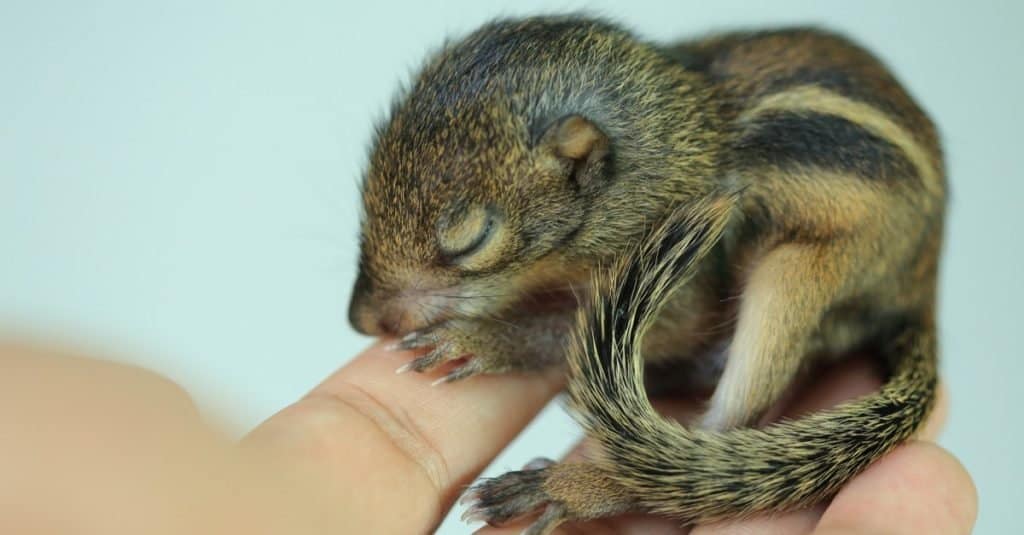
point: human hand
(95, 447)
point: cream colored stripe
(818, 100)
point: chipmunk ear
(578, 146)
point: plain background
(178, 184)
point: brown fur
(786, 168)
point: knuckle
(393, 423)
(317, 428)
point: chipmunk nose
(360, 309)
(378, 313)
(365, 321)
(377, 319)
(371, 315)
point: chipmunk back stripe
(784, 139)
(751, 65)
(814, 99)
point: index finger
(395, 444)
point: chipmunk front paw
(477, 344)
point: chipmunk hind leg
(787, 296)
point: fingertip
(917, 488)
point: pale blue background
(177, 182)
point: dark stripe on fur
(751, 65)
(788, 140)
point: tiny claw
(429, 361)
(474, 514)
(397, 344)
(409, 342)
(471, 495)
(413, 340)
(466, 370)
(405, 367)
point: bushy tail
(696, 474)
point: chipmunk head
(511, 165)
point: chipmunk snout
(367, 321)
(389, 318)
(374, 316)
(386, 314)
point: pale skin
(87, 446)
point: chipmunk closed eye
(472, 239)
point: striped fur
(790, 169)
(813, 99)
(697, 475)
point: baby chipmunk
(727, 213)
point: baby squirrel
(730, 211)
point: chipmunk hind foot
(562, 492)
